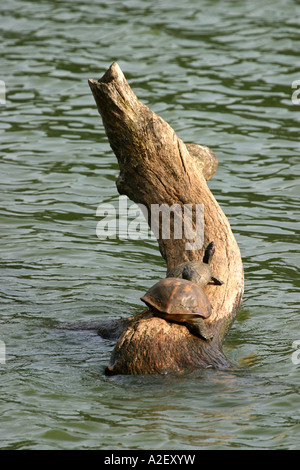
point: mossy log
(157, 167)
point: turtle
(180, 301)
(199, 272)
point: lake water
(221, 74)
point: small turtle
(180, 301)
(199, 272)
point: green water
(221, 74)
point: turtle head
(190, 274)
(209, 252)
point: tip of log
(113, 73)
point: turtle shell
(178, 300)
(203, 271)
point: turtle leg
(199, 328)
(217, 281)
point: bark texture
(157, 167)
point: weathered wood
(156, 167)
(205, 158)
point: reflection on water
(222, 76)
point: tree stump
(156, 168)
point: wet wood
(157, 167)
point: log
(157, 167)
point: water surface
(221, 74)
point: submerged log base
(107, 329)
(156, 167)
(155, 346)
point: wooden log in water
(157, 167)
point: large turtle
(199, 272)
(180, 301)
